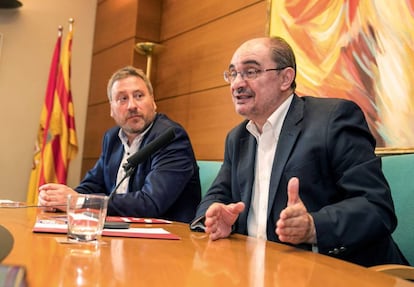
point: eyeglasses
(250, 74)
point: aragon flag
(56, 142)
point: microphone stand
(129, 169)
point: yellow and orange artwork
(361, 50)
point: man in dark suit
(166, 185)
(299, 170)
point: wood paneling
(180, 16)
(189, 81)
(87, 164)
(120, 20)
(195, 61)
(104, 65)
(207, 116)
(148, 20)
(211, 117)
(115, 22)
(99, 120)
(177, 109)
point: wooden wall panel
(207, 116)
(115, 22)
(211, 117)
(190, 73)
(104, 65)
(176, 109)
(87, 164)
(148, 20)
(179, 16)
(98, 121)
(195, 61)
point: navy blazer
(327, 144)
(166, 185)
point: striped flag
(56, 142)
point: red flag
(57, 134)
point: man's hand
(220, 219)
(295, 224)
(54, 196)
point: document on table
(58, 226)
(136, 220)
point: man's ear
(111, 113)
(288, 75)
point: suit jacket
(327, 144)
(166, 185)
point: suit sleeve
(97, 179)
(366, 211)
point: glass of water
(86, 216)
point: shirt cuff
(198, 224)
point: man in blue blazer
(300, 170)
(165, 185)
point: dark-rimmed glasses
(249, 74)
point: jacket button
(334, 251)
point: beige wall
(29, 35)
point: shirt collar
(275, 120)
(124, 139)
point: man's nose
(132, 103)
(238, 83)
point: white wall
(29, 36)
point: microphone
(134, 160)
(146, 151)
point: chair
(208, 172)
(399, 171)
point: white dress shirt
(129, 149)
(265, 153)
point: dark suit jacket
(166, 185)
(327, 144)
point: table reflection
(81, 265)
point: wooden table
(191, 261)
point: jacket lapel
(290, 131)
(246, 172)
(115, 161)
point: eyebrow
(247, 62)
(124, 92)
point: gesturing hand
(220, 219)
(295, 224)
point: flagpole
(148, 49)
(71, 21)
